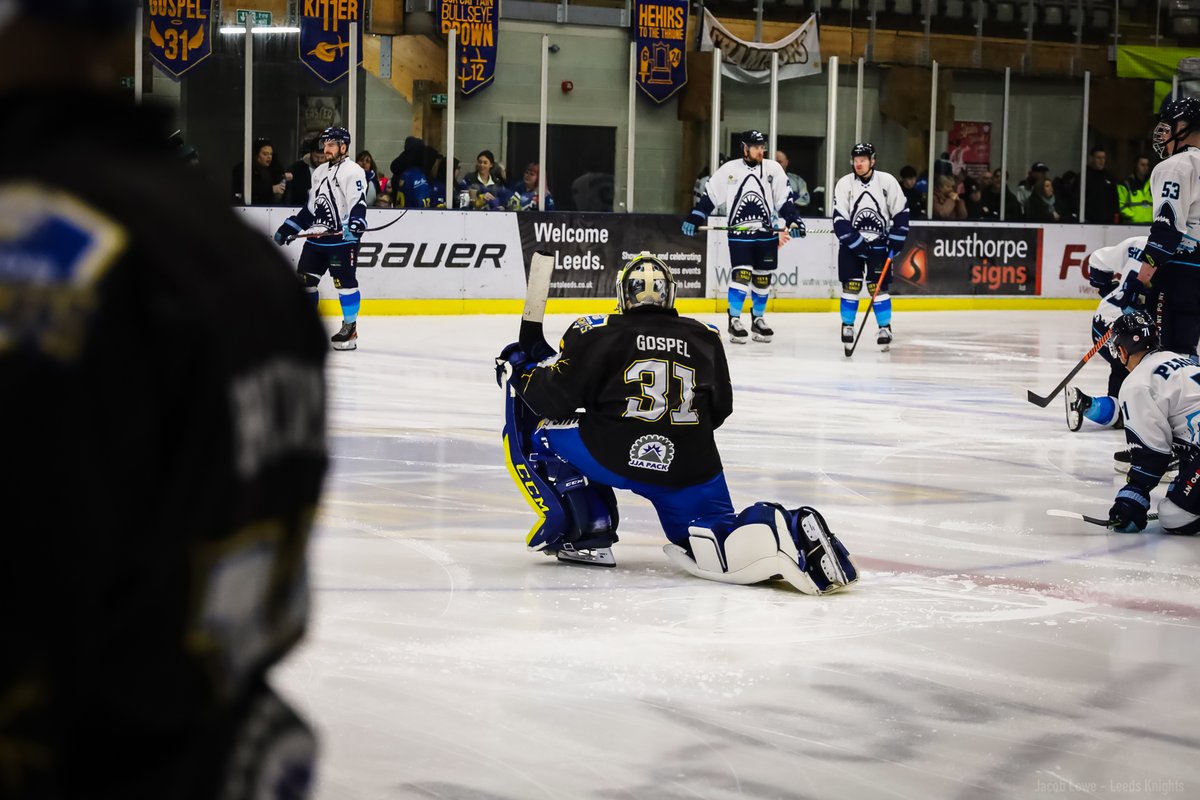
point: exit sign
(262, 19)
(438, 100)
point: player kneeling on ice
(653, 387)
(1160, 398)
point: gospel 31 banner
(180, 34)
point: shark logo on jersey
(652, 452)
(325, 211)
(749, 203)
(866, 217)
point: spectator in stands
(1101, 204)
(594, 189)
(1031, 185)
(946, 202)
(437, 181)
(973, 200)
(376, 193)
(485, 186)
(410, 185)
(943, 166)
(798, 185)
(991, 198)
(301, 183)
(1066, 189)
(1133, 195)
(1042, 204)
(268, 181)
(914, 197)
(525, 191)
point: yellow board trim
(696, 305)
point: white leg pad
(751, 555)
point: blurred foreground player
(162, 464)
(653, 387)
(1160, 400)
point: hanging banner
(325, 36)
(477, 23)
(180, 34)
(660, 28)
(750, 62)
(971, 148)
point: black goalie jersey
(653, 386)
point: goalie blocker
(644, 432)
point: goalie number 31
(653, 376)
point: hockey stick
(878, 285)
(327, 232)
(1042, 402)
(748, 228)
(532, 337)
(1058, 512)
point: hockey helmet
(753, 138)
(862, 149)
(339, 135)
(1135, 332)
(645, 281)
(1186, 110)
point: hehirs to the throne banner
(660, 30)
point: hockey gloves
(1128, 513)
(1101, 280)
(1131, 296)
(796, 229)
(287, 232)
(690, 222)
(355, 228)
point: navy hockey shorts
(339, 260)
(676, 507)
(1175, 305)
(760, 254)
(853, 268)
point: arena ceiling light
(236, 29)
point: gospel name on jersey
(665, 343)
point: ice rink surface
(988, 651)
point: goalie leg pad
(767, 541)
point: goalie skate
(591, 556)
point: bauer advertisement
(589, 250)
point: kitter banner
(180, 33)
(966, 259)
(325, 36)
(660, 27)
(590, 249)
(476, 22)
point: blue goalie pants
(676, 507)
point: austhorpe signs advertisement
(941, 260)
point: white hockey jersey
(868, 211)
(1119, 260)
(338, 194)
(1161, 402)
(751, 193)
(1175, 192)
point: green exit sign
(261, 19)
(438, 100)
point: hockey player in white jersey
(1107, 269)
(1168, 284)
(760, 203)
(870, 220)
(337, 203)
(1160, 401)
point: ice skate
(760, 330)
(884, 339)
(1077, 404)
(346, 338)
(847, 334)
(737, 331)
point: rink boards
(437, 261)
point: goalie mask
(645, 281)
(1185, 110)
(1134, 332)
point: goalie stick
(1058, 512)
(1042, 402)
(537, 289)
(878, 285)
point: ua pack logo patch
(652, 452)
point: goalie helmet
(1134, 332)
(1186, 110)
(862, 149)
(339, 135)
(645, 281)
